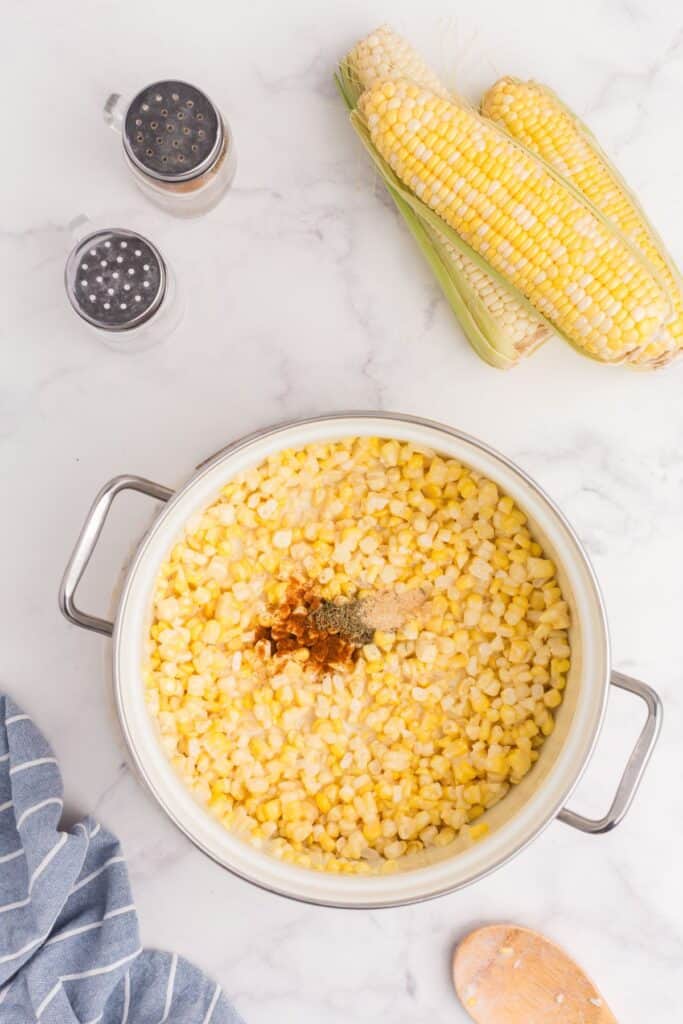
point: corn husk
(487, 333)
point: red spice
(291, 628)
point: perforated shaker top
(115, 279)
(172, 131)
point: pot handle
(636, 765)
(87, 540)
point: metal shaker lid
(172, 131)
(115, 279)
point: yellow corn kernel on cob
(535, 116)
(519, 217)
(499, 328)
(385, 54)
(525, 330)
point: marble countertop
(304, 294)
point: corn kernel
(478, 831)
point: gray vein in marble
(640, 82)
(122, 772)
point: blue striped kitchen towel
(69, 943)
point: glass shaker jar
(118, 282)
(177, 145)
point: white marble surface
(304, 294)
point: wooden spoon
(509, 975)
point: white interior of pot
(515, 820)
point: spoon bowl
(504, 974)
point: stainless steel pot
(515, 821)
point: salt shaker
(177, 145)
(118, 282)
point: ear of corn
(442, 247)
(497, 325)
(512, 213)
(535, 116)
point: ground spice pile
(331, 632)
(344, 620)
(388, 611)
(303, 622)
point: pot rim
(230, 450)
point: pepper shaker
(118, 282)
(177, 145)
